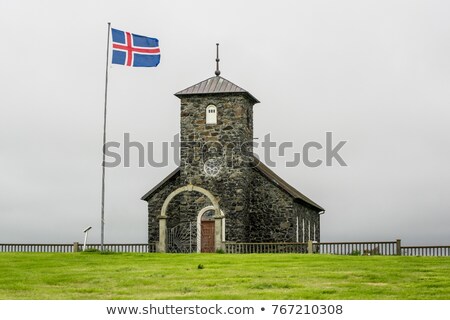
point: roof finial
(217, 61)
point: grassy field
(224, 276)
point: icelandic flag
(133, 50)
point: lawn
(223, 276)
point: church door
(207, 236)
(207, 231)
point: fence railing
(11, 247)
(338, 248)
(133, 247)
(282, 247)
(435, 251)
(385, 248)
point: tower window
(211, 114)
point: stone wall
(221, 142)
(311, 221)
(273, 214)
(155, 203)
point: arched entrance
(206, 228)
(162, 247)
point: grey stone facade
(257, 204)
(201, 142)
(276, 215)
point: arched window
(211, 114)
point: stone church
(221, 192)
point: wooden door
(207, 236)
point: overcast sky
(375, 73)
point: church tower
(216, 134)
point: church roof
(272, 176)
(214, 85)
(162, 182)
(263, 169)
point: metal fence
(11, 247)
(133, 247)
(385, 248)
(282, 247)
(435, 251)
(337, 248)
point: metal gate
(181, 238)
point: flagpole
(104, 142)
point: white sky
(375, 73)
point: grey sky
(375, 73)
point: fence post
(399, 247)
(310, 247)
(75, 246)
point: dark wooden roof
(272, 176)
(166, 179)
(214, 85)
(263, 169)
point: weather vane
(217, 61)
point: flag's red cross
(130, 49)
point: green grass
(224, 276)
